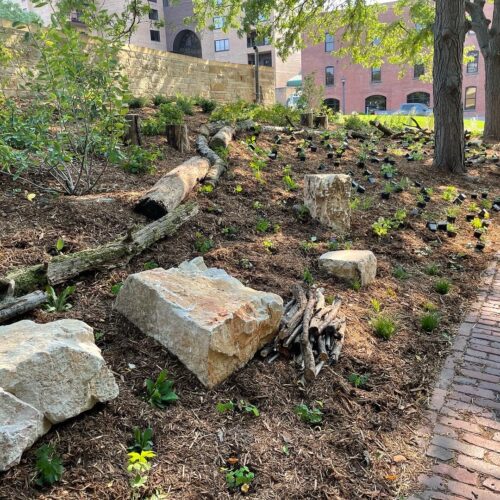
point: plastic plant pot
(385, 195)
(417, 184)
(374, 160)
(462, 196)
(484, 195)
(421, 204)
(496, 207)
(478, 234)
(442, 225)
(361, 189)
(451, 234)
(329, 155)
(302, 157)
(336, 164)
(372, 180)
(388, 175)
(451, 219)
(360, 164)
(322, 166)
(470, 217)
(480, 246)
(368, 173)
(313, 148)
(457, 201)
(473, 196)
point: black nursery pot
(469, 217)
(432, 226)
(302, 158)
(388, 175)
(372, 180)
(314, 149)
(473, 196)
(477, 234)
(336, 164)
(361, 189)
(484, 195)
(451, 234)
(480, 246)
(374, 160)
(442, 225)
(329, 156)
(385, 196)
(360, 164)
(368, 173)
(457, 201)
(421, 204)
(417, 184)
(451, 219)
(427, 199)
(339, 155)
(298, 149)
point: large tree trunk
(492, 118)
(449, 38)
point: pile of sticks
(311, 331)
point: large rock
(327, 198)
(350, 265)
(48, 373)
(208, 319)
(20, 426)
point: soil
(356, 452)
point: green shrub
(358, 380)
(429, 321)
(159, 99)
(143, 440)
(153, 126)
(442, 286)
(139, 160)
(308, 415)
(48, 466)
(185, 104)
(206, 105)
(432, 269)
(400, 273)
(383, 326)
(171, 113)
(58, 303)
(137, 102)
(160, 392)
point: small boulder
(327, 197)
(350, 265)
(20, 426)
(208, 319)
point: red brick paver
(465, 406)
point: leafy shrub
(202, 244)
(160, 392)
(308, 415)
(139, 466)
(240, 478)
(159, 99)
(400, 273)
(382, 227)
(383, 326)
(262, 226)
(358, 380)
(308, 277)
(354, 122)
(139, 160)
(143, 440)
(429, 321)
(185, 104)
(137, 102)
(48, 466)
(153, 126)
(442, 286)
(450, 193)
(171, 113)
(207, 105)
(432, 269)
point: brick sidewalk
(464, 411)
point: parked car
(293, 101)
(414, 108)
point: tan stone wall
(152, 72)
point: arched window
(187, 42)
(470, 98)
(333, 104)
(419, 97)
(375, 103)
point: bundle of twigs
(311, 331)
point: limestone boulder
(208, 319)
(55, 367)
(327, 197)
(20, 426)
(350, 265)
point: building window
(473, 64)
(376, 75)
(329, 76)
(259, 42)
(153, 14)
(418, 70)
(219, 22)
(333, 104)
(155, 35)
(419, 98)
(222, 45)
(470, 98)
(329, 43)
(265, 59)
(375, 103)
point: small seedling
(308, 246)
(257, 205)
(98, 335)
(356, 285)
(429, 321)
(400, 273)
(240, 478)
(430, 307)
(58, 303)
(225, 407)
(202, 244)
(206, 189)
(268, 245)
(229, 231)
(115, 289)
(143, 440)
(48, 466)
(432, 270)
(383, 326)
(151, 264)
(450, 193)
(290, 184)
(262, 226)
(442, 286)
(59, 245)
(160, 392)
(238, 189)
(381, 227)
(309, 415)
(138, 466)
(376, 305)
(307, 276)
(358, 380)
(303, 213)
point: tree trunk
(449, 38)
(492, 86)
(169, 192)
(307, 119)
(178, 137)
(133, 132)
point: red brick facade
(358, 86)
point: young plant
(308, 246)
(115, 289)
(206, 189)
(238, 189)
(150, 264)
(376, 305)
(160, 392)
(356, 285)
(450, 193)
(429, 321)
(138, 467)
(225, 407)
(143, 440)
(262, 226)
(312, 416)
(383, 326)
(202, 244)
(48, 466)
(240, 478)
(442, 286)
(400, 273)
(269, 245)
(59, 245)
(58, 303)
(358, 380)
(308, 277)
(432, 270)
(381, 227)
(290, 184)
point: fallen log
(169, 192)
(14, 307)
(307, 352)
(385, 130)
(178, 137)
(217, 165)
(222, 138)
(358, 135)
(296, 319)
(107, 256)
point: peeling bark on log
(178, 137)
(133, 132)
(65, 267)
(217, 165)
(222, 138)
(169, 192)
(14, 307)
(309, 363)
(295, 320)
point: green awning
(296, 81)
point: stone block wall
(152, 72)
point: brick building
(350, 87)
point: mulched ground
(351, 455)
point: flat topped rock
(208, 319)
(350, 265)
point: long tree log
(217, 164)
(14, 307)
(169, 192)
(222, 138)
(309, 363)
(27, 279)
(385, 130)
(64, 267)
